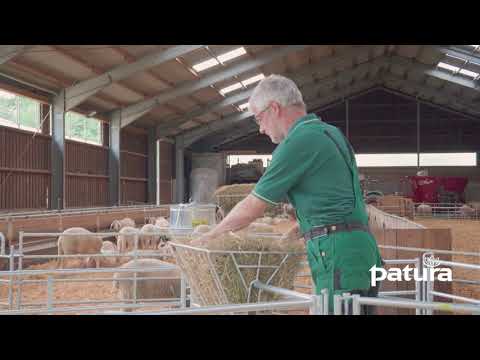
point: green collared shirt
(308, 170)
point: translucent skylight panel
(243, 106)
(449, 67)
(253, 79)
(205, 64)
(232, 54)
(230, 88)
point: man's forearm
(241, 215)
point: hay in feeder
(223, 272)
(228, 196)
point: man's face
(268, 120)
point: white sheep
(117, 225)
(126, 239)
(109, 248)
(424, 209)
(148, 288)
(151, 235)
(162, 222)
(201, 229)
(84, 243)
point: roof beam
(194, 135)
(8, 52)
(302, 75)
(430, 70)
(425, 91)
(461, 53)
(78, 93)
(134, 111)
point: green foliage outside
(81, 128)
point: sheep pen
(72, 293)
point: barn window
(410, 160)
(19, 111)
(84, 129)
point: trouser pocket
(319, 258)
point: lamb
(85, 243)
(117, 225)
(148, 288)
(201, 229)
(424, 209)
(126, 239)
(109, 248)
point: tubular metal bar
(324, 293)
(398, 292)
(418, 288)
(454, 297)
(411, 304)
(263, 306)
(98, 279)
(436, 251)
(77, 309)
(80, 271)
(183, 292)
(457, 264)
(337, 305)
(280, 291)
(2, 244)
(173, 301)
(11, 262)
(50, 294)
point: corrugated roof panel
(146, 83)
(206, 95)
(188, 125)
(141, 50)
(121, 93)
(173, 72)
(408, 51)
(104, 58)
(183, 103)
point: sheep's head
(115, 226)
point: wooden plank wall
(86, 175)
(134, 166)
(167, 170)
(24, 169)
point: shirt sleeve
(291, 161)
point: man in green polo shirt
(314, 168)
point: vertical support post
(346, 299)
(179, 170)
(337, 305)
(11, 267)
(418, 288)
(152, 166)
(57, 192)
(135, 266)
(20, 267)
(429, 286)
(183, 292)
(325, 295)
(356, 305)
(347, 119)
(418, 134)
(114, 158)
(49, 294)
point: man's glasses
(259, 115)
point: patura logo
(430, 272)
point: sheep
(466, 211)
(424, 209)
(126, 239)
(147, 288)
(162, 222)
(201, 229)
(109, 248)
(475, 205)
(148, 240)
(85, 243)
(117, 225)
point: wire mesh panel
(225, 277)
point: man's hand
(202, 240)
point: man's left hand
(202, 240)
